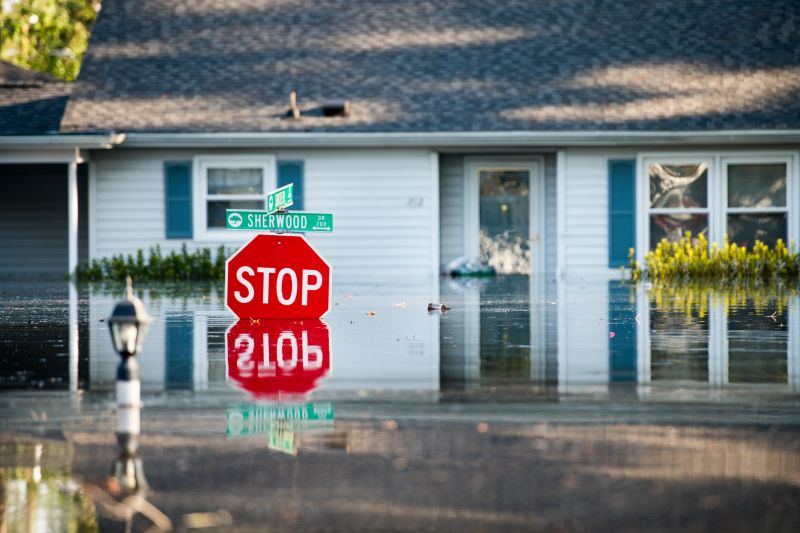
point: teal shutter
(178, 195)
(292, 172)
(621, 210)
(179, 348)
(622, 346)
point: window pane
(757, 185)
(757, 349)
(673, 227)
(744, 229)
(216, 210)
(678, 343)
(679, 185)
(235, 181)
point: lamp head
(128, 323)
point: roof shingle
(31, 103)
(440, 65)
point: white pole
(72, 210)
(73, 338)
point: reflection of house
(181, 111)
(185, 347)
(614, 335)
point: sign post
(277, 276)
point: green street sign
(280, 198)
(299, 221)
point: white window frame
(755, 160)
(643, 192)
(534, 165)
(717, 190)
(201, 197)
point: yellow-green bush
(693, 258)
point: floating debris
(204, 520)
(436, 307)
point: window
(230, 182)
(678, 200)
(746, 197)
(756, 207)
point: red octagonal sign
(277, 276)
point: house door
(507, 205)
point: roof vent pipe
(336, 108)
(294, 111)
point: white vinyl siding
(383, 202)
(586, 210)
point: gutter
(43, 142)
(456, 139)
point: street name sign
(277, 276)
(280, 198)
(298, 221)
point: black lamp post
(128, 324)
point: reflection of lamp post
(128, 324)
(126, 483)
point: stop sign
(275, 358)
(277, 276)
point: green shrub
(693, 259)
(180, 265)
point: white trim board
(549, 139)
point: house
(564, 132)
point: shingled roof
(441, 65)
(31, 103)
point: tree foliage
(47, 35)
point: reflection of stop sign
(277, 276)
(272, 358)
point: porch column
(72, 213)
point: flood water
(525, 406)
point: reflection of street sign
(299, 221)
(276, 358)
(277, 276)
(280, 198)
(281, 438)
(256, 418)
